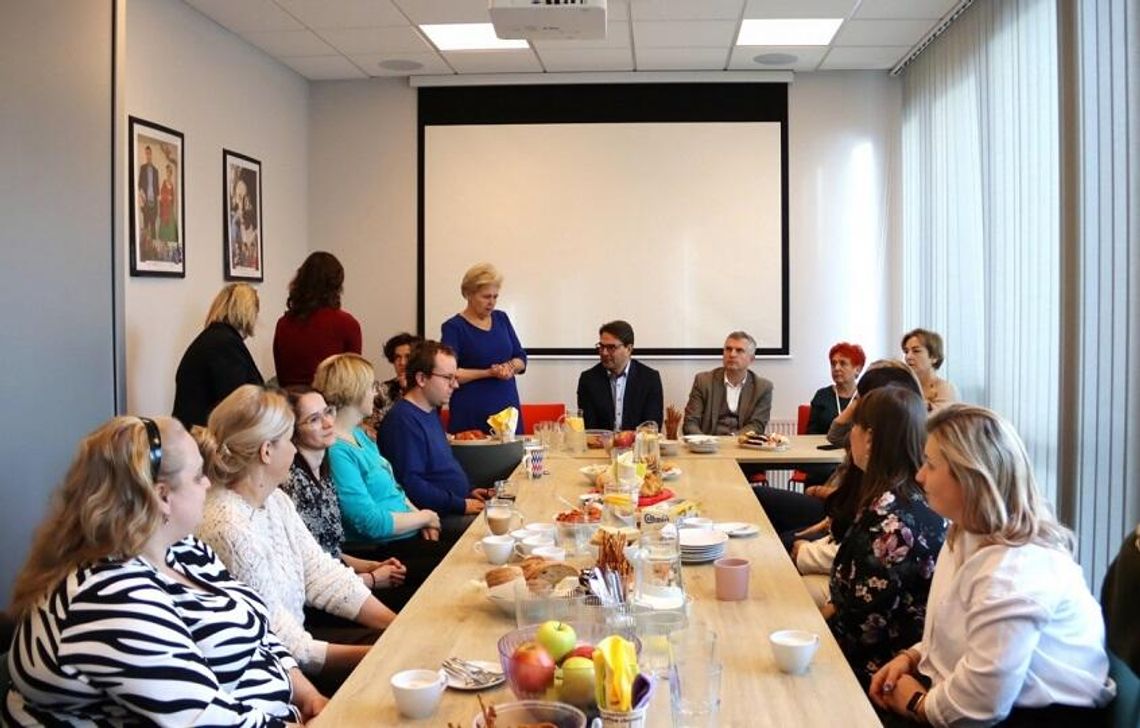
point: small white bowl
(793, 649)
(418, 692)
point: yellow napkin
(615, 667)
(575, 423)
(504, 422)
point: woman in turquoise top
(373, 506)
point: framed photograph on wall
(158, 200)
(242, 252)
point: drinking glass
(501, 516)
(507, 490)
(694, 689)
(694, 643)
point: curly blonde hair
(231, 441)
(106, 507)
(1000, 496)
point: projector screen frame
(608, 103)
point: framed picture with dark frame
(158, 200)
(242, 252)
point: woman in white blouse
(1012, 634)
(255, 529)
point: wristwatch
(914, 702)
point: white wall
(843, 172)
(186, 72)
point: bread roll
(502, 575)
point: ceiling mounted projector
(549, 19)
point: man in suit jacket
(619, 393)
(730, 398)
(148, 195)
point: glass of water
(694, 688)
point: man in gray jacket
(731, 398)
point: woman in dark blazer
(217, 362)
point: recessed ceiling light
(468, 37)
(788, 31)
(775, 59)
(400, 64)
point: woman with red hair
(847, 362)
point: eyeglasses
(317, 417)
(608, 348)
(154, 440)
(451, 378)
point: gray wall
(57, 352)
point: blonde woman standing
(114, 558)
(256, 531)
(1012, 634)
(217, 362)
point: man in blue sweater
(411, 437)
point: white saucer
(737, 529)
(456, 683)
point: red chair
(803, 415)
(444, 417)
(532, 414)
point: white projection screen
(677, 226)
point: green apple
(557, 637)
(577, 687)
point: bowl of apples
(553, 661)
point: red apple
(532, 667)
(557, 637)
(624, 439)
(582, 650)
(577, 687)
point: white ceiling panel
(686, 9)
(804, 58)
(351, 41)
(617, 36)
(681, 59)
(444, 11)
(902, 9)
(514, 61)
(684, 34)
(881, 32)
(247, 15)
(602, 59)
(430, 63)
(324, 68)
(321, 14)
(863, 58)
(284, 43)
(799, 8)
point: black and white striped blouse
(119, 643)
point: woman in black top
(217, 362)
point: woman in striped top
(125, 619)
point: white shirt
(1009, 626)
(732, 393)
(617, 386)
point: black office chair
(485, 463)
(1119, 596)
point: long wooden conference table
(450, 615)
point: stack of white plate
(699, 545)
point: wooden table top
(450, 616)
(803, 450)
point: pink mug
(732, 576)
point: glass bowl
(530, 712)
(527, 681)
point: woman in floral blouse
(881, 575)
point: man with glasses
(730, 398)
(619, 393)
(412, 439)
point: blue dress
(475, 348)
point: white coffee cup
(497, 549)
(545, 529)
(793, 649)
(418, 691)
(553, 553)
(520, 533)
(527, 546)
